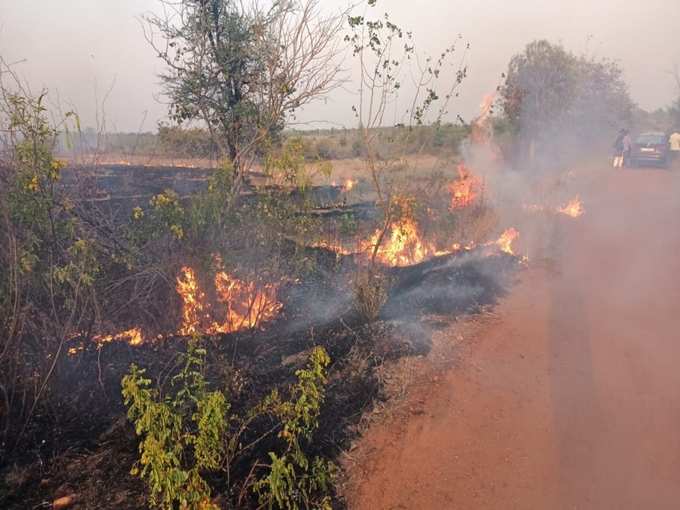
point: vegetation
(182, 433)
(558, 103)
(190, 432)
(234, 419)
(243, 70)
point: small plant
(182, 433)
(370, 289)
(294, 481)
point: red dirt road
(570, 399)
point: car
(651, 148)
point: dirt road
(570, 399)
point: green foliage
(550, 94)
(185, 434)
(289, 166)
(182, 433)
(294, 481)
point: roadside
(570, 396)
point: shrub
(294, 481)
(182, 433)
(186, 434)
(370, 288)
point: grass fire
(304, 255)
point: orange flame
(193, 302)
(349, 185)
(465, 189)
(481, 126)
(246, 306)
(506, 240)
(332, 246)
(403, 246)
(574, 208)
(133, 336)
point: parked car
(651, 148)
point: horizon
(93, 59)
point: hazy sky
(78, 49)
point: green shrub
(186, 434)
(182, 433)
(294, 481)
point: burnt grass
(82, 443)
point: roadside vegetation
(240, 344)
(219, 349)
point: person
(618, 149)
(627, 149)
(674, 141)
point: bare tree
(390, 65)
(243, 69)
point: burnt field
(221, 333)
(258, 316)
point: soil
(569, 396)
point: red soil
(571, 398)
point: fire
(402, 245)
(506, 240)
(349, 185)
(132, 336)
(481, 127)
(193, 302)
(246, 305)
(573, 209)
(336, 247)
(465, 189)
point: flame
(465, 189)
(193, 302)
(246, 305)
(574, 208)
(482, 132)
(402, 247)
(349, 185)
(506, 239)
(331, 246)
(133, 336)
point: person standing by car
(674, 142)
(618, 149)
(627, 149)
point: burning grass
(573, 209)
(250, 363)
(245, 305)
(466, 189)
(158, 273)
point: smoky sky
(92, 55)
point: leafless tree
(390, 65)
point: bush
(370, 288)
(294, 481)
(182, 433)
(190, 432)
